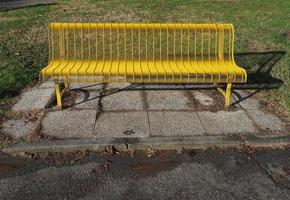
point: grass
(260, 26)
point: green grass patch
(259, 25)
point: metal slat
(145, 57)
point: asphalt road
(211, 174)
(12, 4)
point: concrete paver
(168, 100)
(117, 85)
(175, 123)
(248, 103)
(34, 99)
(86, 86)
(18, 128)
(266, 120)
(124, 100)
(125, 124)
(69, 123)
(223, 122)
(168, 113)
(44, 85)
(88, 100)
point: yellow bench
(142, 53)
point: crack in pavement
(264, 169)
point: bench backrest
(140, 41)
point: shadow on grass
(259, 66)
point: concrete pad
(175, 124)
(124, 100)
(34, 99)
(164, 86)
(122, 124)
(69, 123)
(18, 128)
(202, 98)
(225, 122)
(168, 100)
(117, 85)
(266, 120)
(44, 85)
(88, 100)
(249, 103)
(87, 86)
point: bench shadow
(259, 66)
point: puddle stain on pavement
(5, 167)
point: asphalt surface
(211, 174)
(13, 4)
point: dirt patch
(69, 98)
(218, 102)
(272, 103)
(287, 35)
(6, 167)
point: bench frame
(225, 92)
(218, 31)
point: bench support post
(58, 95)
(66, 83)
(227, 94)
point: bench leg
(66, 84)
(227, 94)
(58, 95)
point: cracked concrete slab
(18, 128)
(266, 120)
(69, 124)
(123, 100)
(175, 123)
(125, 124)
(34, 99)
(223, 122)
(168, 100)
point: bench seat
(142, 71)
